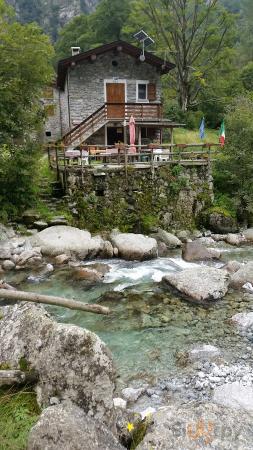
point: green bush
(233, 170)
(18, 176)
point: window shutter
(152, 91)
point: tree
(109, 18)
(100, 27)
(25, 69)
(233, 174)
(77, 33)
(191, 33)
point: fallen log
(11, 377)
(51, 300)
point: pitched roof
(164, 66)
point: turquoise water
(149, 325)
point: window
(142, 91)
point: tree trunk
(51, 300)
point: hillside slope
(51, 14)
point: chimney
(75, 51)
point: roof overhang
(118, 46)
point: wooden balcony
(140, 111)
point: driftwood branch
(6, 294)
(11, 377)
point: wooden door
(115, 96)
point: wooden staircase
(86, 128)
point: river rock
(6, 251)
(248, 234)
(235, 239)
(72, 363)
(170, 240)
(134, 246)
(244, 320)
(6, 233)
(131, 394)
(203, 426)
(30, 258)
(221, 223)
(8, 265)
(91, 275)
(67, 427)
(234, 395)
(242, 276)
(204, 352)
(62, 259)
(40, 225)
(232, 266)
(195, 251)
(57, 240)
(199, 283)
(30, 216)
(99, 267)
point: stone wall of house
(87, 88)
(171, 196)
(51, 105)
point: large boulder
(243, 320)
(170, 240)
(61, 239)
(242, 276)
(65, 427)
(234, 395)
(199, 283)
(248, 234)
(203, 426)
(195, 251)
(134, 246)
(235, 239)
(71, 362)
(221, 223)
(6, 233)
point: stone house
(97, 91)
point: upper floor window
(142, 91)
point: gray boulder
(235, 239)
(244, 320)
(195, 251)
(204, 426)
(71, 362)
(134, 246)
(234, 395)
(67, 427)
(248, 234)
(6, 233)
(57, 240)
(242, 276)
(220, 223)
(170, 240)
(200, 283)
(232, 266)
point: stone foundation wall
(172, 197)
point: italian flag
(222, 135)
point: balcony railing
(140, 111)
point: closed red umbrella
(132, 134)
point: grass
(184, 136)
(19, 411)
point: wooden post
(57, 162)
(65, 169)
(81, 151)
(172, 136)
(152, 163)
(139, 139)
(125, 160)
